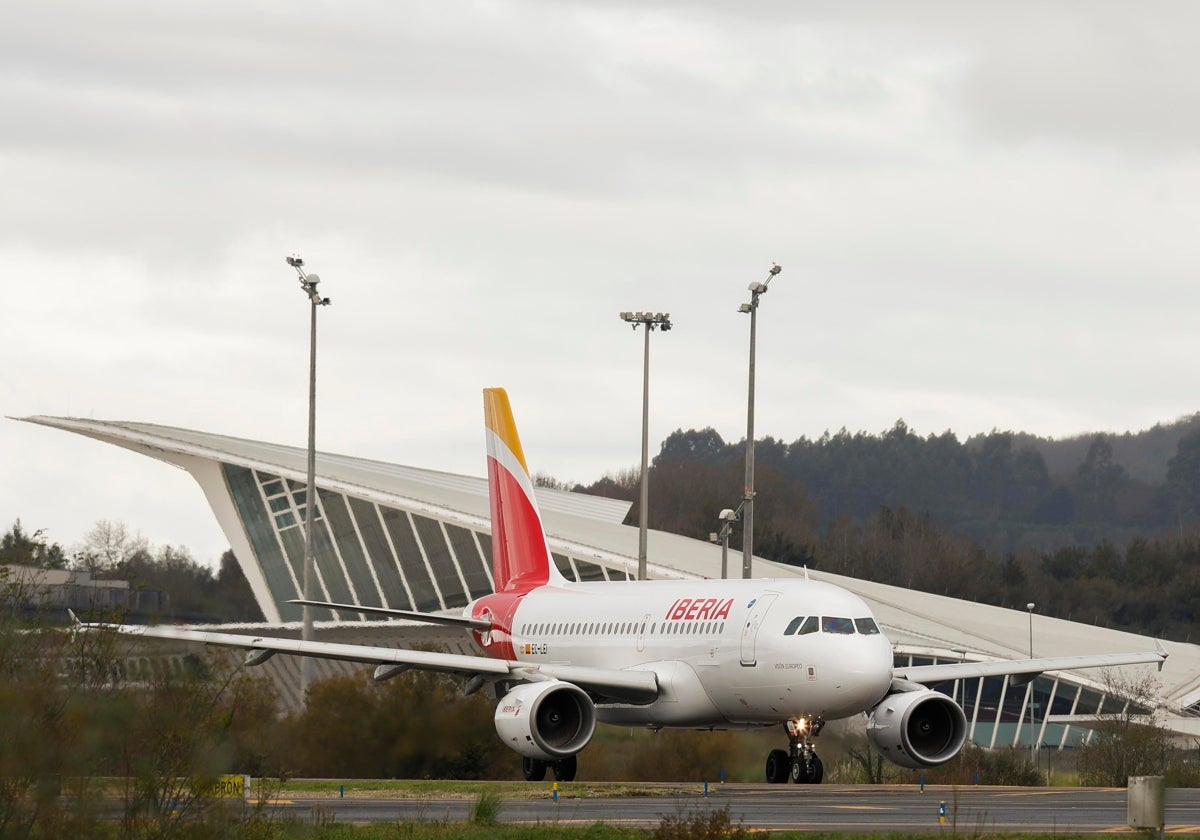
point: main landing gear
(534, 769)
(800, 761)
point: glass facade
(365, 553)
(998, 713)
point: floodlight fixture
(726, 517)
(649, 320)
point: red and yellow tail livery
(520, 557)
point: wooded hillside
(985, 520)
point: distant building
(57, 590)
(411, 538)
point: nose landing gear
(800, 761)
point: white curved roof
(591, 527)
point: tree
(1183, 476)
(694, 444)
(1099, 481)
(109, 544)
(623, 484)
(21, 549)
(419, 723)
(1130, 741)
(233, 592)
(72, 718)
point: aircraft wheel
(534, 769)
(808, 773)
(564, 770)
(777, 766)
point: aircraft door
(641, 636)
(754, 619)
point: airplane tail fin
(521, 559)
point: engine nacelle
(917, 729)
(546, 720)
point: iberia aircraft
(560, 656)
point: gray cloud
(985, 215)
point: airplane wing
(1025, 669)
(635, 687)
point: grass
(596, 831)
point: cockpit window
(794, 625)
(867, 626)
(841, 626)
(811, 625)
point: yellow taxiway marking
(1172, 829)
(1050, 792)
(861, 808)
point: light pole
(308, 282)
(649, 320)
(962, 657)
(756, 291)
(1032, 734)
(727, 518)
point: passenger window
(794, 625)
(867, 626)
(838, 626)
(811, 625)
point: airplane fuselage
(726, 653)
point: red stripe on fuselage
(520, 561)
(498, 609)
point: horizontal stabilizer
(426, 618)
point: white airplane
(702, 654)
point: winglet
(1163, 652)
(74, 618)
(520, 557)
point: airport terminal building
(415, 539)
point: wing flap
(1026, 668)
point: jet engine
(917, 729)
(548, 720)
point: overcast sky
(986, 215)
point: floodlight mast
(1031, 606)
(649, 320)
(756, 291)
(308, 282)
